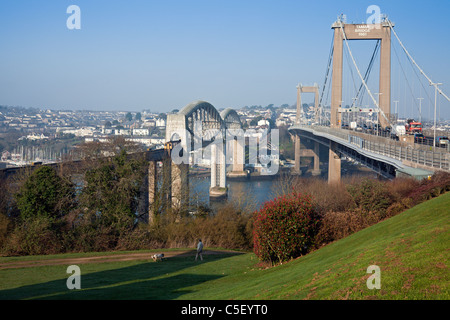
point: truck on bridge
(412, 126)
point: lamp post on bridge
(396, 108)
(354, 105)
(435, 101)
(420, 109)
(342, 118)
(378, 112)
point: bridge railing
(393, 149)
(437, 160)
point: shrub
(371, 196)
(136, 239)
(5, 226)
(338, 225)
(330, 197)
(228, 228)
(427, 189)
(33, 237)
(285, 228)
(402, 187)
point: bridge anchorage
(386, 156)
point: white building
(81, 132)
(123, 132)
(160, 123)
(141, 132)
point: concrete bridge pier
(334, 164)
(297, 151)
(316, 171)
(314, 153)
(218, 171)
(237, 150)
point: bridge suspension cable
(407, 79)
(414, 62)
(327, 73)
(363, 81)
(367, 74)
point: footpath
(107, 258)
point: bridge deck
(407, 159)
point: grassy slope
(411, 250)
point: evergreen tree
(45, 194)
(112, 190)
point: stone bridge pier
(167, 183)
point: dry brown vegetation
(343, 209)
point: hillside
(411, 250)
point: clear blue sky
(161, 55)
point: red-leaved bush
(285, 228)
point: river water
(253, 192)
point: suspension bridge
(356, 120)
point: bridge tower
(342, 31)
(308, 89)
(315, 151)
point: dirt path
(105, 258)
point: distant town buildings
(146, 128)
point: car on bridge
(365, 128)
(419, 138)
(442, 141)
(394, 136)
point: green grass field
(411, 250)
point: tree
(254, 121)
(286, 145)
(5, 205)
(138, 116)
(129, 116)
(112, 190)
(45, 194)
(92, 152)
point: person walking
(199, 250)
